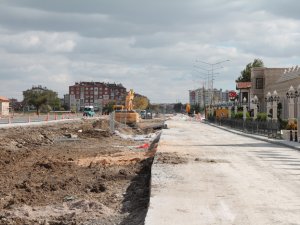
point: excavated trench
(137, 196)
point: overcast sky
(150, 46)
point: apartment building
(96, 94)
(202, 96)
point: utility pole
(212, 69)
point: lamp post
(235, 106)
(212, 65)
(297, 94)
(255, 102)
(268, 101)
(244, 108)
(229, 110)
(275, 100)
(291, 96)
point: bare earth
(73, 173)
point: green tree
(246, 73)
(178, 107)
(109, 107)
(39, 98)
(196, 108)
(140, 102)
(154, 108)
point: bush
(239, 115)
(45, 108)
(232, 115)
(282, 124)
(292, 125)
(262, 116)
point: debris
(69, 135)
(69, 198)
(146, 145)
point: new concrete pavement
(222, 178)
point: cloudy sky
(152, 46)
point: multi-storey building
(202, 96)
(192, 97)
(96, 94)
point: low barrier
(264, 128)
(32, 117)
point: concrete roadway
(234, 179)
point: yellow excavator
(126, 114)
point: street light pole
(212, 73)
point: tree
(154, 108)
(140, 102)
(109, 107)
(178, 107)
(246, 73)
(38, 98)
(196, 108)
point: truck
(89, 111)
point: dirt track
(75, 173)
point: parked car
(88, 111)
(146, 114)
(143, 114)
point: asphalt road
(227, 179)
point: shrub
(232, 115)
(292, 125)
(45, 108)
(262, 116)
(239, 115)
(282, 124)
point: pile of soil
(170, 158)
(72, 173)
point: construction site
(76, 172)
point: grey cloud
(150, 46)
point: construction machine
(127, 114)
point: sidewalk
(203, 175)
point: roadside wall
(4, 108)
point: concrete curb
(283, 143)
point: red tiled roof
(3, 99)
(243, 85)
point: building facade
(266, 80)
(203, 97)
(96, 94)
(4, 106)
(192, 97)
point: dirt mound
(170, 158)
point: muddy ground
(73, 173)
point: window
(259, 83)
